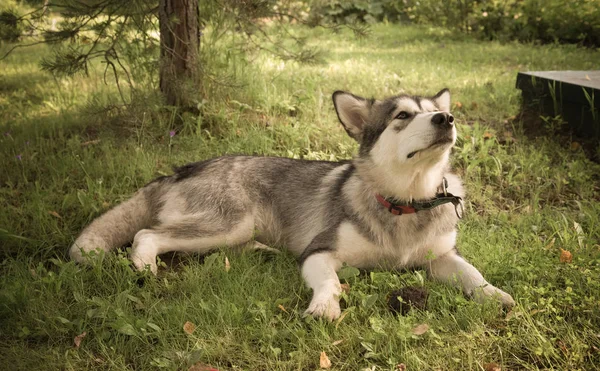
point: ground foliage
(68, 152)
(544, 21)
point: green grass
(528, 199)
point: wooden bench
(572, 95)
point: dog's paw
(328, 308)
(143, 251)
(142, 262)
(87, 249)
(487, 292)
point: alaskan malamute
(395, 205)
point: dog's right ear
(352, 111)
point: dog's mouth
(437, 143)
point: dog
(395, 205)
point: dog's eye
(403, 115)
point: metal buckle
(456, 207)
(445, 186)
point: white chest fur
(356, 250)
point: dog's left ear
(442, 100)
(352, 111)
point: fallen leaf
(337, 342)
(420, 329)
(580, 234)
(227, 265)
(563, 347)
(536, 311)
(282, 308)
(458, 105)
(324, 361)
(201, 367)
(492, 367)
(78, 339)
(345, 287)
(565, 256)
(550, 244)
(341, 318)
(587, 77)
(189, 327)
(90, 142)
(512, 314)
(401, 367)
(575, 146)
(55, 214)
(487, 135)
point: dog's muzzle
(443, 119)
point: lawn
(68, 152)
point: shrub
(524, 20)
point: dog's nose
(442, 119)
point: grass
(64, 161)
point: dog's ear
(442, 100)
(352, 111)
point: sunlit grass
(64, 161)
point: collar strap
(416, 206)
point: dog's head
(403, 130)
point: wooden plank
(574, 95)
(590, 79)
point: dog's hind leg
(187, 236)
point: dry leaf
(580, 234)
(512, 314)
(563, 347)
(575, 146)
(282, 308)
(189, 327)
(345, 287)
(90, 142)
(401, 367)
(492, 367)
(550, 244)
(420, 329)
(337, 342)
(536, 311)
(487, 135)
(55, 214)
(458, 105)
(565, 256)
(227, 265)
(78, 339)
(201, 367)
(324, 361)
(587, 77)
(341, 318)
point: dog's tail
(116, 227)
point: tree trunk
(179, 46)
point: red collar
(440, 198)
(395, 208)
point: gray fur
(313, 208)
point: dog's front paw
(487, 292)
(328, 308)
